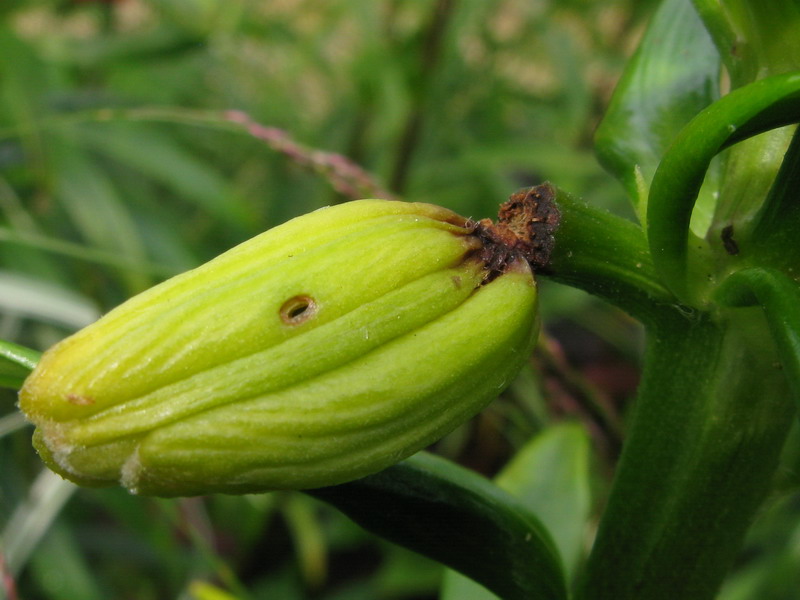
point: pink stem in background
(9, 586)
(347, 178)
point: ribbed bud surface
(318, 352)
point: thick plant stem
(607, 256)
(576, 244)
(710, 422)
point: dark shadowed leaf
(550, 476)
(457, 517)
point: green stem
(704, 443)
(607, 256)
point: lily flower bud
(318, 352)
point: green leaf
(458, 518)
(766, 104)
(672, 76)
(550, 476)
(779, 296)
(15, 363)
(755, 39)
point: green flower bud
(320, 351)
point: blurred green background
(121, 163)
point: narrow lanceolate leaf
(745, 112)
(318, 352)
(460, 519)
(672, 77)
(16, 363)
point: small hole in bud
(298, 310)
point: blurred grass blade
(671, 78)
(25, 85)
(15, 363)
(550, 476)
(13, 421)
(82, 252)
(202, 590)
(93, 203)
(458, 518)
(33, 517)
(308, 539)
(76, 577)
(45, 301)
(161, 158)
(779, 296)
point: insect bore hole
(298, 309)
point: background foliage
(121, 164)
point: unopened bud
(318, 352)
